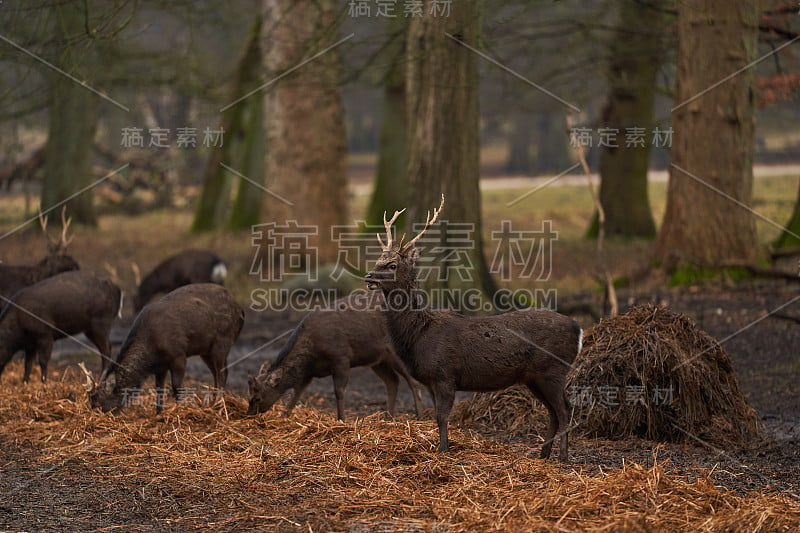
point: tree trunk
(636, 51)
(243, 128)
(711, 175)
(789, 236)
(304, 124)
(212, 205)
(519, 144)
(250, 194)
(443, 145)
(391, 182)
(552, 145)
(73, 121)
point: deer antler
(43, 223)
(137, 274)
(90, 382)
(61, 244)
(429, 221)
(65, 222)
(388, 225)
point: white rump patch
(219, 273)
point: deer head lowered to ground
(200, 319)
(15, 277)
(447, 351)
(328, 342)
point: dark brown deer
(184, 268)
(447, 351)
(329, 342)
(15, 277)
(66, 304)
(199, 319)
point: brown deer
(200, 319)
(15, 277)
(330, 342)
(183, 268)
(59, 306)
(447, 351)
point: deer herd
(444, 351)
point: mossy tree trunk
(790, 236)
(250, 194)
(636, 51)
(711, 175)
(552, 145)
(73, 120)
(391, 182)
(519, 144)
(443, 141)
(240, 150)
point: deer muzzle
(372, 283)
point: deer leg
(217, 361)
(298, 391)
(177, 372)
(340, 378)
(552, 427)
(563, 454)
(99, 337)
(161, 378)
(391, 381)
(43, 350)
(443, 396)
(30, 356)
(414, 385)
(554, 398)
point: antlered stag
(65, 304)
(200, 319)
(447, 351)
(16, 277)
(184, 268)
(329, 342)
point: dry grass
(197, 467)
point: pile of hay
(673, 382)
(211, 467)
(649, 373)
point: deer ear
(413, 254)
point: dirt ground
(750, 320)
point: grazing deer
(331, 342)
(447, 351)
(199, 319)
(15, 277)
(184, 268)
(66, 304)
